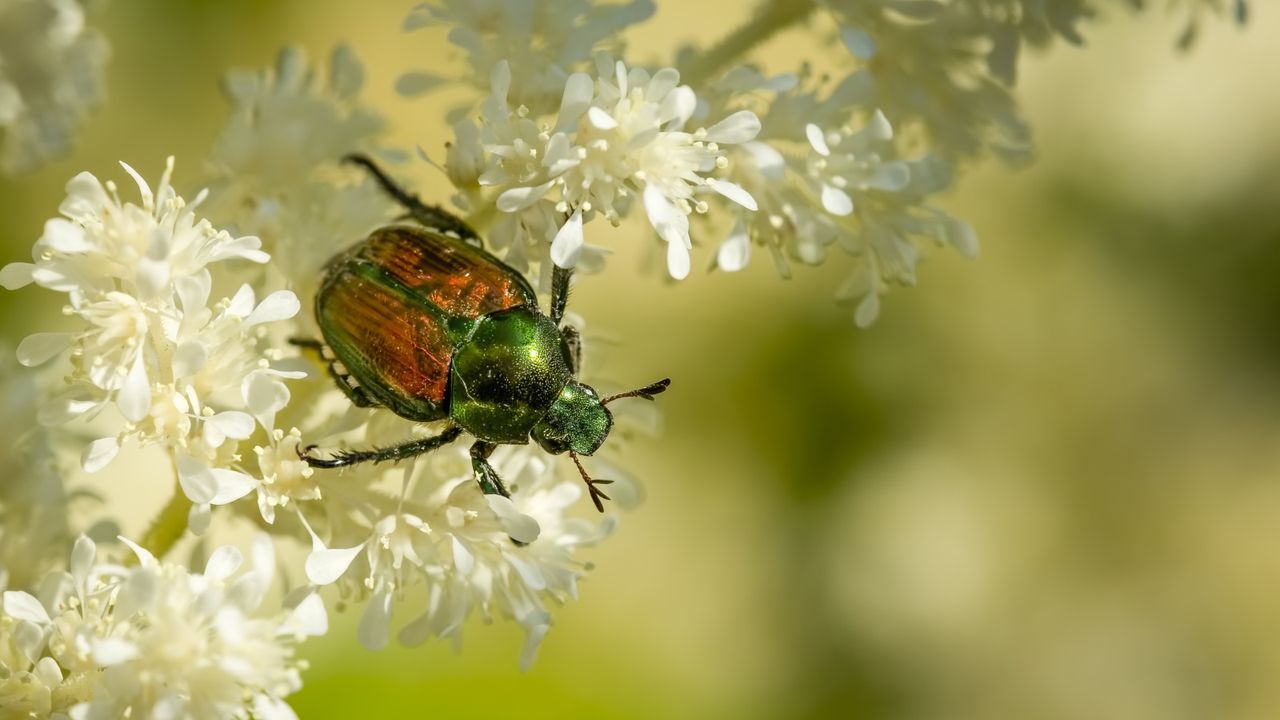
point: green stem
(772, 17)
(167, 527)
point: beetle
(423, 321)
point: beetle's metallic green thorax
(577, 421)
(507, 374)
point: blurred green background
(1045, 485)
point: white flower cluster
(181, 372)
(555, 38)
(618, 138)
(473, 553)
(51, 67)
(275, 169)
(106, 641)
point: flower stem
(167, 527)
(772, 17)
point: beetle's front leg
(431, 216)
(560, 278)
(413, 448)
(488, 478)
(573, 339)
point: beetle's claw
(597, 495)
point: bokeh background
(1045, 485)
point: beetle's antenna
(597, 496)
(647, 392)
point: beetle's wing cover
(460, 279)
(395, 308)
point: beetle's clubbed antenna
(597, 495)
(647, 392)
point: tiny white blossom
(155, 640)
(51, 79)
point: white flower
(155, 640)
(617, 139)
(554, 38)
(461, 545)
(51, 79)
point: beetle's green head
(577, 422)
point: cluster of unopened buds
(185, 333)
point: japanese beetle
(421, 320)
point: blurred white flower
(275, 169)
(51, 79)
(155, 640)
(555, 37)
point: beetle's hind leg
(347, 384)
(413, 448)
(486, 476)
(573, 339)
(431, 216)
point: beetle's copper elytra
(421, 320)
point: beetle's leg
(573, 339)
(431, 216)
(488, 478)
(559, 292)
(347, 384)
(413, 448)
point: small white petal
(517, 199)
(375, 624)
(528, 572)
(532, 641)
(134, 399)
(16, 275)
(868, 310)
(39, 348)
(64, 236)
(601, 119)
(242, 302)
(518, 526)
(189, 358)
(23, 606)
(567, 246)
(734, 192)
(463, 560)
(326, 565)
(230, 485)
(817, 139)
(138, 593)
(578, 91)
(233, 424)
(879, 128)
(223, 562)
(739, 127)
(99, 454)
(196, 480)
(145, 558)
(735, 251)
(113, 651)
(308, 618)
(836, 201)
(82, 556)
(199, 518)
(678, 260)
(279, 305)
(768, 160)
(678, 107)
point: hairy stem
(167, 527)
(772, 17)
